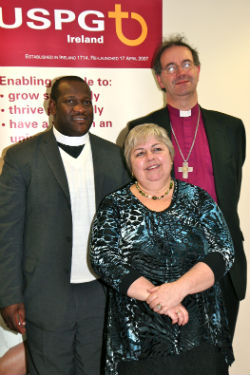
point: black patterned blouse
(129, 241)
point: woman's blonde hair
(140, 133)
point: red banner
(59, 33)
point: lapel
(219, 154)
(162, 119)
(97, 166)
(51, 153)
(214, 133)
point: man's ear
(52, 107)
(158, 77)
(199, 70)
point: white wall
(219, 29)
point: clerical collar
(70, 141)
(179, 113)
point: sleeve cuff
(128, 280)
(216, 262)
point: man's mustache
(182, 78)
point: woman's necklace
(154, 197)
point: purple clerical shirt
(184, 124)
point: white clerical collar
(70, 141)
(185, 113)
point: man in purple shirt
(209, 149)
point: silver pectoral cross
(185, 169)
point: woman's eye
(139, 153)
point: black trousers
(76, 348)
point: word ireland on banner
(92, 33)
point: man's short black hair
(54, 90)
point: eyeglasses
(172, 68)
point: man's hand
(14, 317)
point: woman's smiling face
(151, 161)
